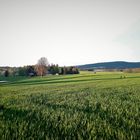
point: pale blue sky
(69, 32)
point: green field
(85, 106)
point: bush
(6, 74)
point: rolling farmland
(104, 105)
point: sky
(69, 32)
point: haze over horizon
(69, 32)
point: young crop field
(86, 106)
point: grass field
(85, 106)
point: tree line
(42, 68)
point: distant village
(42, 68)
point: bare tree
(41, 66)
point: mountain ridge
(110, 65)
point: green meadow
(87, 106)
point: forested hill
(111, 65)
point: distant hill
(110, 65)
